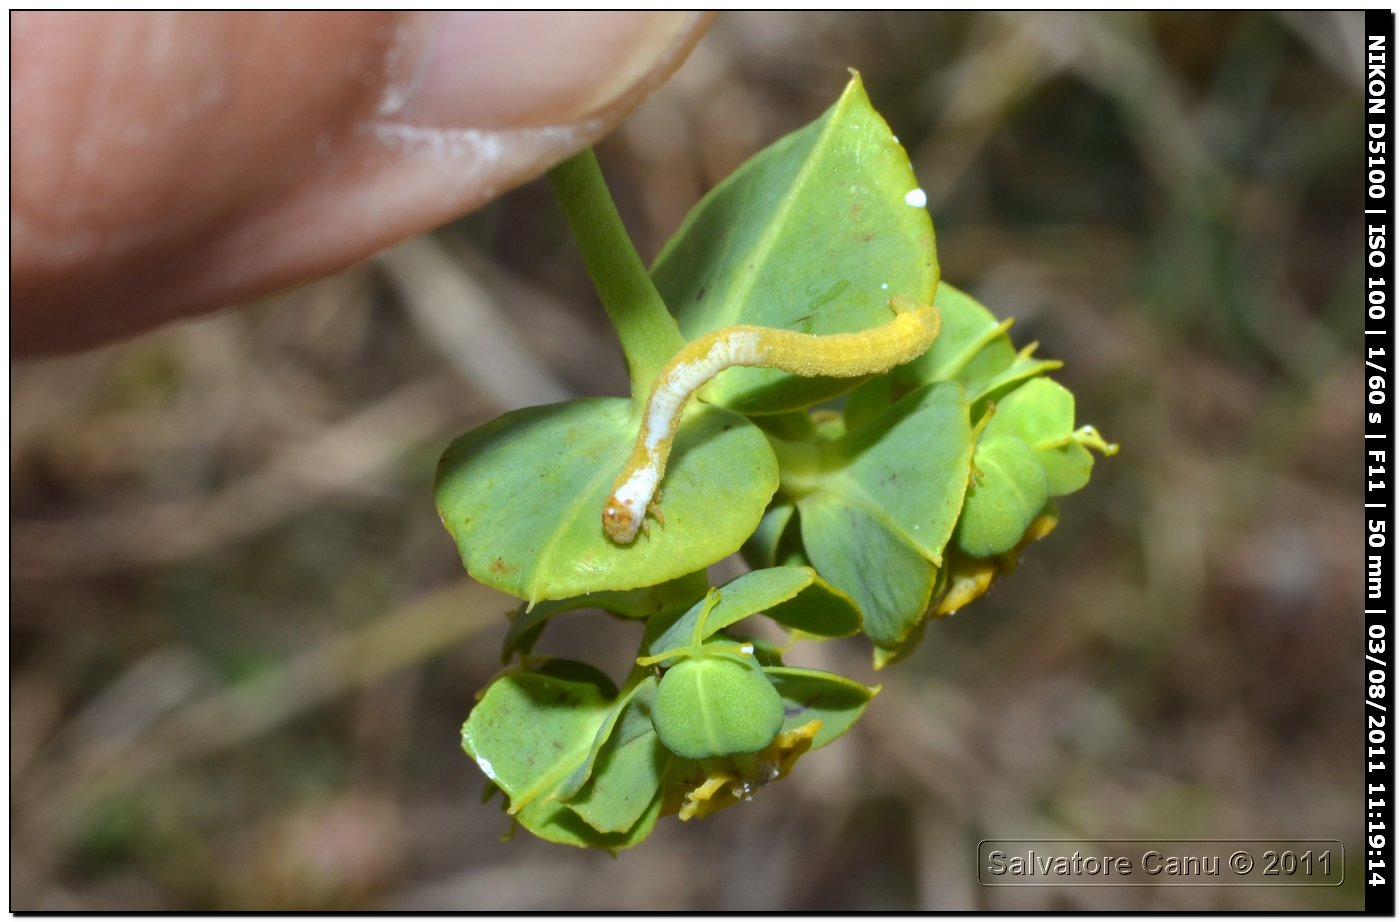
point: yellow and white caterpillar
(839, 355)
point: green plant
(906, 503)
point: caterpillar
(636, 492)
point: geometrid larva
(839, 355)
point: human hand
(168, 164)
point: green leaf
(523, 496)
(530, 731)
(890, 580)
(888, 656)
(907, 468)
(761, 550)
(628, 771)
(778, 540)
(644, 691)
(1041, 414)
(716, 706)
(812, 695)
(971, 348)
(813, 234)
(820, 610)
(573, 671)
(1022, 368)
(865, 403)
(1003, 498)
(793, 596)
(790, 552)
(883, 508)
(557, 822)
(527, 622)
(796, 426)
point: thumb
(165, 164)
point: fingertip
(330, 137)
(522, 69)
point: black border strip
(1378, 354)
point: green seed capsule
(713, 706)
(1004, 500)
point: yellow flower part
(730, 780)
(970, 578)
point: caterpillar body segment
(841, 355)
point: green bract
(906, 504)
(973, 349)
(808, 694)
(792, 596)
(877, 505)
(562, 717)
(626, 775)
(814, 234)
(523, 496)
(1041, 414)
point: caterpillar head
(620, 521)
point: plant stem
(647, 330)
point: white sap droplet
(915, 198)
(746, 649)
(486, 768)
(884, 286)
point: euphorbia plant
(808, 276)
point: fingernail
(534, 69)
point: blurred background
(242, 645)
